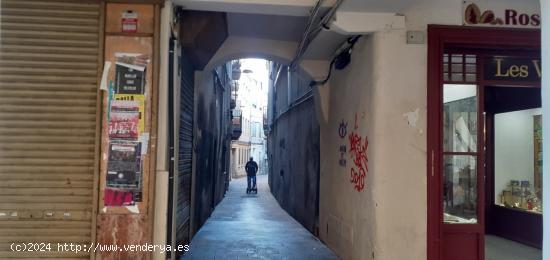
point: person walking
(251, 168)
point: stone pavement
(254, 227)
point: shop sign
(512, 69)
(498, 13)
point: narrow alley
(254, 227)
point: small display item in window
(518, 194)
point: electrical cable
(302, 44)
(344, 57)
(322, 82)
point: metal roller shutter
(48, 118)
(185, 151)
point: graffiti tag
(358, 152)
(343, 150)
(343, 130)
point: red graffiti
(358, 151)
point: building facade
(251, 104)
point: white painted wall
(386, 89)
(385, 85)
(514, 144)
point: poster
(126, 117)
(123, 179)
(140, 102)
(118, 198)
(124, 120)
(130, 73)
(124, 165)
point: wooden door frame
(439, 38)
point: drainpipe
(288, 84)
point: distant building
(251, 103)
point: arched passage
(293, 149)
(292, 127)
(282, 52)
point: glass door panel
(460, 133)
(460, 189)
(459, 118)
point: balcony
(234, 90)
(237, 125)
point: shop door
(462, 161)
(48, 125)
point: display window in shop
(518, 160)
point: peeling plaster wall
(399, 153)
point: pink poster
(124, 120)
(118, 198)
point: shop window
(518, 159)
(460, 153)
